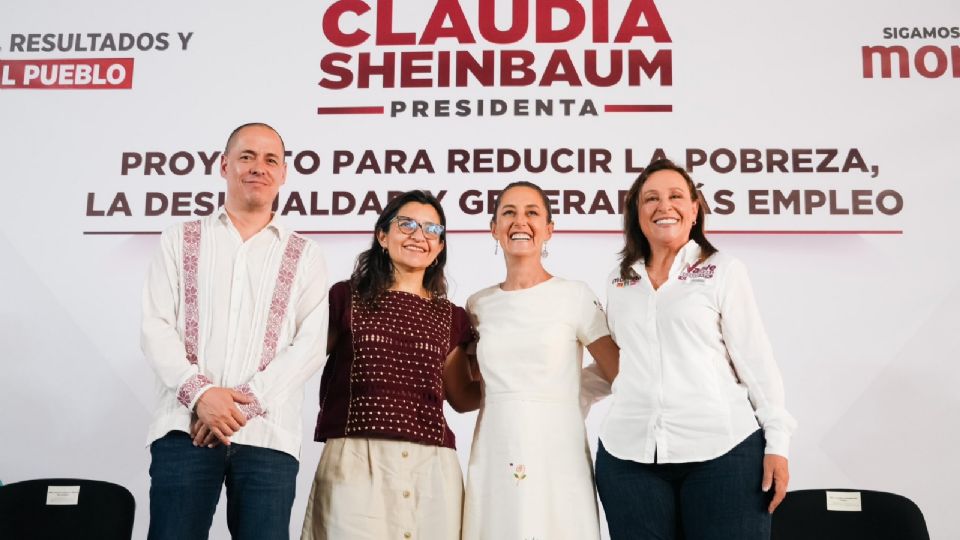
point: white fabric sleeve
(306, 352)
(160, 338)
(593, 387)
(752, 356)
(591, 320)
(591, 326)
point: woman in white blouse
(695, 444)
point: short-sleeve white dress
(530, 474)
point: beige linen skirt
(375, 489)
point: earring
(434, 263)
(496, 246)
(544, 253)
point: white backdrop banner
(823, 137)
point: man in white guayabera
(234, 323)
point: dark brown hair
(373, 272)
(522, 183)
(636, 246)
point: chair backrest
(846, 514)
(66, 508)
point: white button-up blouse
(697, 373)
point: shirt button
(407, 534)
(406, 494)
(405, 453)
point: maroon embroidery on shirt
(253, 409)
(281, 297)
(189, 389)
(621, 283)
(191, 262)
(278, 309)
(697, 272)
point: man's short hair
(233, 135)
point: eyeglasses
(409, 226)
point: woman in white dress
(530, 474)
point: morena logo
(929, 61)
(621, 283)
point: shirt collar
(689, 254)
(274, 224)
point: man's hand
(202, 436)
(776, 473)
(218, 413)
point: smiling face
(254, 169)
(412, 252)
(666, 210)
(521, 225)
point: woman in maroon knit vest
(389, 467)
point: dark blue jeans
(185, 484)
(719, 499)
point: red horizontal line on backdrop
(896, 231)
(638, 108)
(618, 231)
(567, 231)
(350, 110)
(606, 108)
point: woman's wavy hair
(636, 246)
(373, 272)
